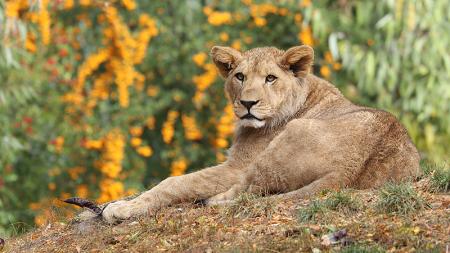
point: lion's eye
(270, 78)
(239, 76)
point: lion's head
(265, 85)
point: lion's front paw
(121, 210)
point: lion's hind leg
(327, 182)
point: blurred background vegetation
(102, 99)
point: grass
(340, 201)
(343, 201)
(312, 211)
(438, 176)
(250, 206)
(362, 249)
(440, 180)
(399, 198)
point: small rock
(334, 238)
(133, 223)
(316, 250)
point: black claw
(86, 204)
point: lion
(296, 135)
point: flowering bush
(102, 99)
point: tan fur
(309, 138)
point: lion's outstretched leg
(190, 187)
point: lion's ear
(299, 60)
(225, 59)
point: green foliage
(395, 57)
(399, 198)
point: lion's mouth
(250, 116)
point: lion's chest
(249, 145)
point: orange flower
(337, 66)
(178, 167)
(129, 4)
(191, 130)
(224, 36)
(12, 9)
(207, 10)
(225, 127)
(52, 186)
(217, 18)
(68, 4)
(236, 45)
(135, 142)
(58, 142)
(152, 91)
(82, 191)
(85, 2)
(75, 172)
(305, 36)
(136, 131)
(325, 71)
(93, 144)
(145, 151)
(260, 21)
(199, 59)
(220, 157)
(305, 3)
(298, 18)
(328, 57)
(221, 143)
(205, 80)
(283, 11)
(110, 190)
(168, 129)
(30, 43)
(110, 163)
(150, 123)
(44, 22)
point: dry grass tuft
(250, 206)
(399, 198)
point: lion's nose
(248, 104)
